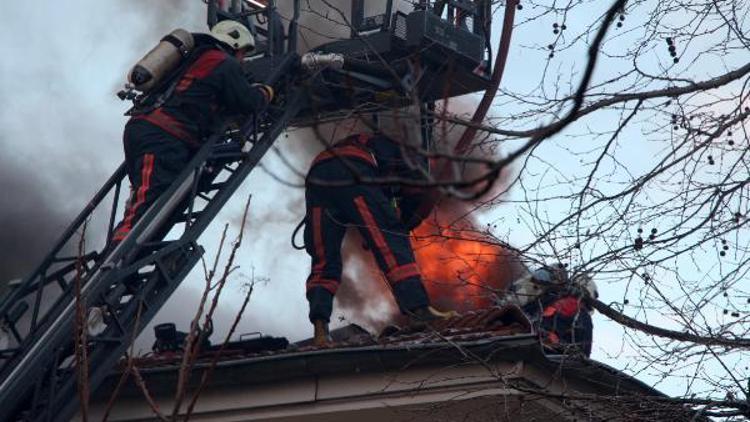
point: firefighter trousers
(331, 209)
(154, 159)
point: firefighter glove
(266, 90)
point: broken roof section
(483, 365)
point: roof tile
(471, 326)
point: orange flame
(462, 268)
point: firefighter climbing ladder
(130, 284)
(127, 285)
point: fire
(462, 268)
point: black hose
(294, 236)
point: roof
(474, 338)
(507, 322)
(490, 334)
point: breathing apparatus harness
(354, 140)
(164, 91)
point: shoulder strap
(162, 93)
(355, 140)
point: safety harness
(164, 92)
(354, 146)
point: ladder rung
(184, 217)
(104, 339)
(8, 352)
(229, 156)
(215, 186)
(160, 244)
(224, 148)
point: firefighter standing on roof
(160, 141)
(560, 312)
(336, 199)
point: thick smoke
(30, 217)
(60, 131)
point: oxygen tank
(161, 60)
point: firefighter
(336, 199)
(160, 142)
(560, 312)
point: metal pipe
(358, 16)
(422, 5)
(388, 13)
(113, 212)
(212, 17)
(317, 61)
(271, 39)
(293, 34)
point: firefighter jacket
(390, 160)
(212, 87)
(562, 318)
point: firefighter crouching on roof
(557, 307)
(336, 199)
(159, 141)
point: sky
(559, 166)
(61, 128)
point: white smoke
(64, 62)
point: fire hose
(294, 235)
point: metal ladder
(130, 283)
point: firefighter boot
(321, 337)
(421, 317)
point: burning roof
(462, 268)
(468, 327)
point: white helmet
(523, 290)
(234, 34)
(592, 289)
(586, 282)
